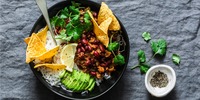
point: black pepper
(159, 79)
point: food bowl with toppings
(160, 80)
(90, 54)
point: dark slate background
(177, 21)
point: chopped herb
(63, 36)
(146, 36)
(144, 68)
(119, 59)
(113, 46)
(176, 59)
(159, 47)
(141, 56)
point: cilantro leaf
(60, 22)
(75, 20)
(87, 16)
(74, 10)
(141, 56)
(159, 47)
(144, 68)
(54, 20)
(146, 36)
(88, 24)
(64, 13)
(75, 4)
(176, 59)
(113, 46)
(119, 59)
(63, 36)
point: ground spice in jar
(159, 79)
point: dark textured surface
(177, 21)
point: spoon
(43, 7)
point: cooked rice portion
(51, 76)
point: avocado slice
(90, 83)
(62, 74)
(77, 84)
(85, 81)
(92, 86)
(66, 81)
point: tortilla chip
(105, 24)
(100, 34)
(48, 54)
(105, 13)
(41, 34)
(26, 40)
(35, 47)
(52, 66)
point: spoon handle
(43, 7)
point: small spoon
(43, 7)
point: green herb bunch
(69, 21)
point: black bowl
(106, 85)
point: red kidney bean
(86, 48)
(96, 41)
(79, 44)
(96, 53)
(82, 49)
(84, 41)
(101, 48)
(79, 50)
(89, 48)
(103, 65)
(94, 14)
(93, 73)
(88, 62)
(92, 60)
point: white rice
(51, 76)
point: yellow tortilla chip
(41, 34)
(48, 54)
(105, 13)
(35, 48)
(26, 40)
(105, 24)
(100, 34)
(52, 66)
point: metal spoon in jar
(43, 7)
